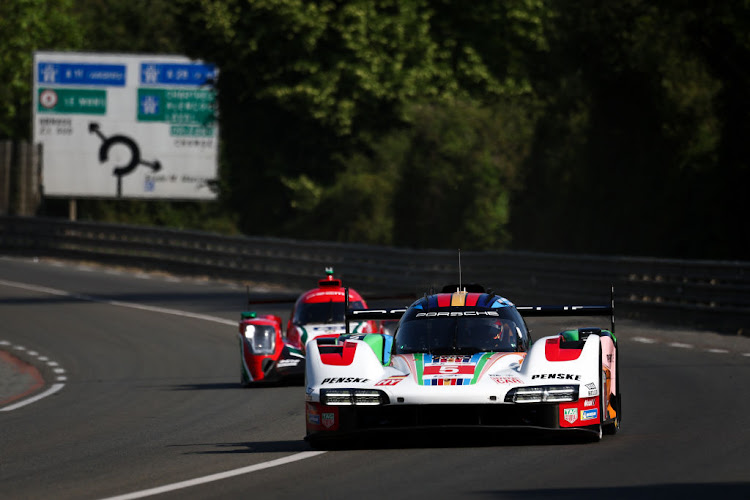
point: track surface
(152, 399)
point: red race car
(269, 356)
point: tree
(626, 150)
(27, 26)
(304, 85)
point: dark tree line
(589, 127)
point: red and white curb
(54, 366)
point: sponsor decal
(589, 402)
(313, 417)
(571, 415)
(452, 359)
(344, 380)
(592, 389)
(505, 379)
(391, 380)
(327, 293)
(449, 370)
(589, 414)
(329, 420)
(321, 329)
(448, 381)
(609, 358)
(287, 362)
(447, 314)
(556, 376)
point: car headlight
(358, 397)
(543, 394)
(262, 338)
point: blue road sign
(177, 74)
(81, 74)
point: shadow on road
(724, 491)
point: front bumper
(325, 420)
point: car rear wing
(369, 314)
(526, 311)
(573, 310)
(372, 315)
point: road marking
(217, 477)
(174, 486)
(131, 305)
(53, 389)
(680, 345)
(87, 298)
(49, 392)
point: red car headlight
(262, 338)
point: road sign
(125, 126)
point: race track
(148, 370)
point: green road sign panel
(191, 111)
(72, 101)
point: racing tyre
(614, 426)
(602, 400)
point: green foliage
(460, 174)
(627, 151)
(130, 26)
(588, 126)
(26, 26)
(358, 205)
(179, 215)
(313, 82)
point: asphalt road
(148, 368)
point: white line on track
(680, 345)
(53, 389)
(131, 305)
(169, 487)
(217, 477)
(86, 298)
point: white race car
(463, 359)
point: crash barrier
(696, 293)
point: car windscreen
(459, 334)
(323, 312)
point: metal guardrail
(698, 293)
